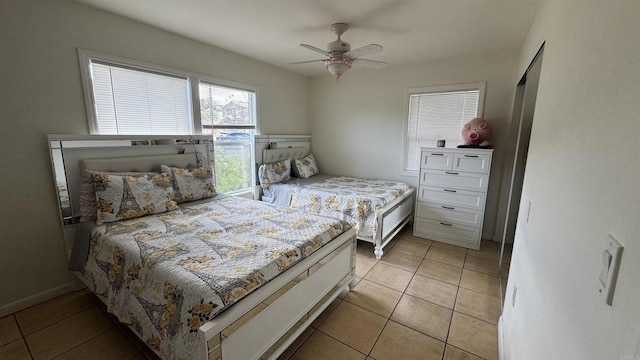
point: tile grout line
(138, 352)
(409, 327)
(454, 306)
(313, 331)
(23, 338)
(392, 311)
(53, 323)
(478, 292)
(455, 301)
(84, 342)
(365, 274)
(318, 329)
(388, 318)
(441, 262)
(340, 341)
(414, 274)
(345, 300)
(334, 338)
(470, 352)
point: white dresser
(452, 191)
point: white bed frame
(390, 219)
(263, 324)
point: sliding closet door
(528, 98)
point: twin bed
(378, 209)
(216, 278)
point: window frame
(195, 86)
(480, 86)
(193, 79)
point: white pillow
(305, 167)
(274, 173)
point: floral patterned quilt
(167, 274)
(356, 201)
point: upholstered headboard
(142, 163)
(275, 155)
(277, 147)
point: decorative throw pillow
(121, 197)
(274, 173)
(305, 167)
(190, 185)
(88, 191)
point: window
(438, 113)
(129, 101)
(129, 97)
(229, 115)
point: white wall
(41, 93)
(358, 125)
(582, 178)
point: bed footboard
(277, 313)
(391, 220)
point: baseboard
(18, 305)
(500, 340)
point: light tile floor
(424, 300)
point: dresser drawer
(442, 231)
(450, 214)
(454, 179)
(452, 197)
(436, 160)
(478, 163)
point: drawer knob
(448, 207)
(449, 190)
(471, 156)
(445, 224)
(437, 154)
(451, 173)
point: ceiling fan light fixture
(341, 57)
(337, 67)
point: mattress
(281, 193)
(166, 275)
(356, 201)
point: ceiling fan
(341, 57)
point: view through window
(229, 115)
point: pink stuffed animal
(477, 132)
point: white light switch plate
(609, 269)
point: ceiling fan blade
(313, 48)
(371, 63)
(362, 51)
(308, 61)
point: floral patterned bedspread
(356, 201)
(165, 275)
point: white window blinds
(437, 116)
(131, 101)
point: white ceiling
(270, 30)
